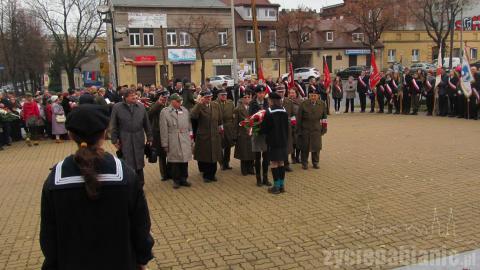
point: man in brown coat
(311, 126)
(208, 140)
(228, 139)
(243, 145)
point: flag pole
(461, 59)
(256, 35)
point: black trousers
(363, 101)
(337, 103)
(460, 106)
(140, 177)
(16, 131)
(261, 163)
(164, 166)
(473, 107)
(372, 103)
(389, 102)
(407, 100)
(226, 152)
(179, 171)
(452, 99)
(34, 133)
(315, 157)
(381, 102)
(247, 167)
(396, 103)
(349, 102)
(443, 105)
(430, 101)
(208, 169)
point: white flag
(467, 77)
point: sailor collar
(67, 175)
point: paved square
(387, 183)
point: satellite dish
(103, 9)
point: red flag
(261, 80)
(326, 73)
(375, 75)
(291, 80)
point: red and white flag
(300, 89)
(292, 83)
(439, 68)
(261, 80)
(326, 72)
(375, 74)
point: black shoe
(165, 178)
(345, 112)
(176, 185)
(274, 190)
(244, 173)
(288, 169)
(8, 144)
(1, 148)
(206, 180)
(267, 183)
(215, 179)
(305, 166)
(251, 173)
(282, 190)
(259, 183)
(185, 184)
(316, 167)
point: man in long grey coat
(130, 124)
(177, 138)
(208, 141)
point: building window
(415, 55)
(252, 68)
(249, 12)
(273, 40)
(148, 37)
(357, 37)
(270, 13)
(134, 35)
(171, 38)
(222, 38)
(391, 55)
(251, 38)
(184, 39)
(473, 53)
(329, 36)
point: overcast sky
(315, 4)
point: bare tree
(295, 29)
(22, 45)
(375, 17)
(203, 32)
(438, 17)
(73, 25)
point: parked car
(306, 73)
(446, 62)
(421, 66)
(218, 80)
(354, 71)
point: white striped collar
(117, 177)
(277, 110)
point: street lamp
(105, 10)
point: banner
(467, 77)
(375, 75)
(326, 72)
(438, 79)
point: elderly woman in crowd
(58, 119)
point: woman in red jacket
(31, 116)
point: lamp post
(105, 10)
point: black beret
(260, 88)
(164, 93)
(315, 91)
(222, 92)
(87, 120)
(86, 98)
(274, 96)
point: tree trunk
(450, 62)
(202, 70)
(71, 78)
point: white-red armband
(324, 123)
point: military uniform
(228, 139)
(154, 117)
(259, 144)
(208, 140)
(310, 129)
(243, 146)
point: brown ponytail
(87, 158)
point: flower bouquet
(253, 122)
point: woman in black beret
(94, 214)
